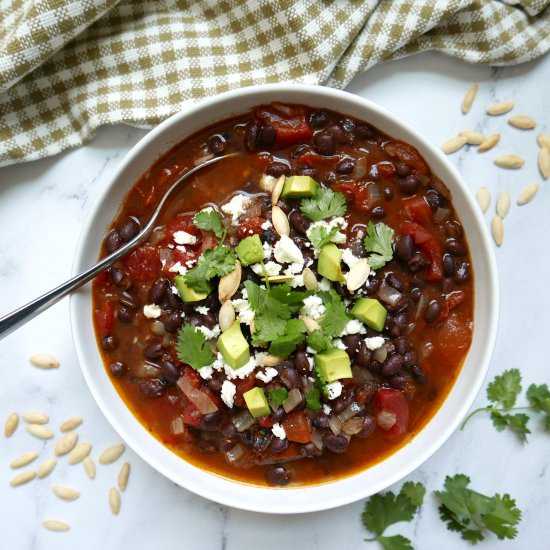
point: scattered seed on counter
(114, 501)
(503, 204)
(111, 454)
(483, 197)
(66, 444)
(544, 162)
(65, 493)
(473, 137)
(70, 424)
(522, 122)
(528, 194)
(79, 453)
(123, 476)
(11, 424)
(56, 525)
(501, 108)
(453, 144)
(543, 140)
(46, 468)
(23, 477)
(469, 99)
(44, 361)
(40, 431)
(510, 162)
(89, 467)
(36, 418)
(497, 228)
(23, 460)
(489, 143)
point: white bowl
(301, 499)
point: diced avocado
(333, 365)
(234, 347)
(188, 294)
(250, 250)
(371, 312)
(328, 264)
(297, 187)
(256, 401)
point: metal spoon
(17, 318)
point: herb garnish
(294, 334)
(324, 204)
(216, 262)
(378, 243)
(277, 397)
(332, 323)
(319, 235)
(210, 220)
(313, 399)
(192, 347)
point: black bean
(299, 222)
(212, 421)
(378, 212)
(418, 373)
(283, 205)
(417, 262)
(352, 341)
(267, 136)
(433, 311)
(154, 351)
(194, 319)
(117, 276)
(328, 178)
(170, 372)
(374, 173)
(388, 193)
(409, 358)
(151, 388)
(335, 443)
(277, 475)
(277, 169)
(401, 345)
(158, 291)
(118, 369)
(301, 363)
(109, 343)
(304, 170)
(210, 319)
(290, 378)
(128, 300)
(364, 356)
(113, 241)
(348, 125)
(229, 430)
(216, 144)
(321, 421)
(172, 323)
(310, 450)
(318, 119)
(462, 272)
(409, 185)
(455, 247)
(453, 228)
(433, 198)
(278, 415)
(403, 170)
(367, 391)
(129, 230)
(372, 286)
(416, 294)
(337, 132)
(278, 445)
(398, 381)
(125, 315)
(404, 247)
(393, 280)
(226, 445)
(392, 365)
(364, 132)
(339, 404)
(448, 265)
(215, 384)
(324, 143)
(369, 425)
(401, 319)
(172, 303)
(345, 166)
(251, 135)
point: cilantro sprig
(324, 204)
(192, 347)
(320, 235)
(277, 397)
(210, 220)
(386, 509)
(472, 514)
(216, 262)
(332, 323)
(502, 393)
(378, 243)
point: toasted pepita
(528, 194)
(123, 476)
(277, 190)
(79, 453)
(543, 140)
(111, 454)
(503, 204)
(473, 137)
(66, 444)
(358, 275)
(511, 162)
(483, 197)
(310, 280)
(229, 284)
(279, 278)
(497, 228)
(70, 424)
(40, 431)
(522, 122)
(501, 108)
(488, 143)
(89, 467)
(454, 144)
(36, 418)
(11, 424)
(544, 162)
(226, 316)
(56, 525)
(23, 477)
(24, 459)
(271, 360)
(65, 493)
(46, 467)
(280, 221)
(114, 500)
(311, 324)
(469, 98)
(44, 361)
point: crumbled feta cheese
(311, 350)
(311, 362)
(267, 375)
(354, 326)
(326, 408)
(286, 251)
(278, 431)
(271, 268)
(174, 290)
(337, 343)
(268, 250)
(207, 209)
(178, 268)
(210, 334)
(324, 284)
(228, 393)
(236, 207)
(297, 281)
(182, 237)
(334, 389)
(242, 372)
(338, 237)
(374, 342)
(181, 248)
(151, 311)
(266, 225)
(348, 258)
(203, 310)
(244, 311)
(294, 268)
(313, 307)
(267, 183)
(206, 372)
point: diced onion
(243, 421)
(349, 412)
(389, 295)
(375, 193)
(353, 425)
(421, 306)
(235, 454)
(145, 370)
(425, 350)
(293, 400)
(201, 400)
(335, 425)
(283, 109)
(200, 160)
(441, 214)
(157, 235)
(386, 419)
(360, 168)
(177, 427)
(165, 255)
(157, 327)
(317, 439)
(380, 354)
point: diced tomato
(242, 387)
(191, 415)
(251, 226)
(297, 428)
(363, 200)
(387, 399)
(143, 264)
(407, 154)
(292, 451)
(183, 223)
(418, 210)
(429, 246)
(105, 318)
(290, 128)
(266, 421)
(193, 375)
(386, 169)
(314, 160)
(103, 278)
(348, 188)
(452, 300)
(454, 337)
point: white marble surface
(42, 207)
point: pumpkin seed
(469, 98)
(66, 444)
(311, 324)
(226, 316)
(483, 197)
(501, 108)
(511, 162)
(79, 453)
(270, 360)
(358, 275)
(453, 145)
(44, 361)
(488, 143)
(277, 190)
(89, 467)
(46, 467)
(543, 140)
(528, 194)
(11, 424)
(497, 228)
(23, 477)
(503, 204)
(70, 424)
(310, 280)
(473, 137)
(229, 284)
(36, 418)
(65, 493)
(56, 525)
(544, 162)
(279, 278)
(114, 501)
(23, 460)
(123, 476)
(280, 221)
(111, 454)
(522, 122)
(39, 431)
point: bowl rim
(291, 499)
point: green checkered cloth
(68, 67)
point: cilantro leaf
(539, 399)
(209, 220)
(505, 388)
(472, 514)
(284, 345)
(397, 542)
(319, 235)
(313, 399)
(192, 347)
(335, 318)
(267, 328)
(324, 204)
(516, 422)
(277, 397)
(378, 243)
(319, 341)
(216, 262)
